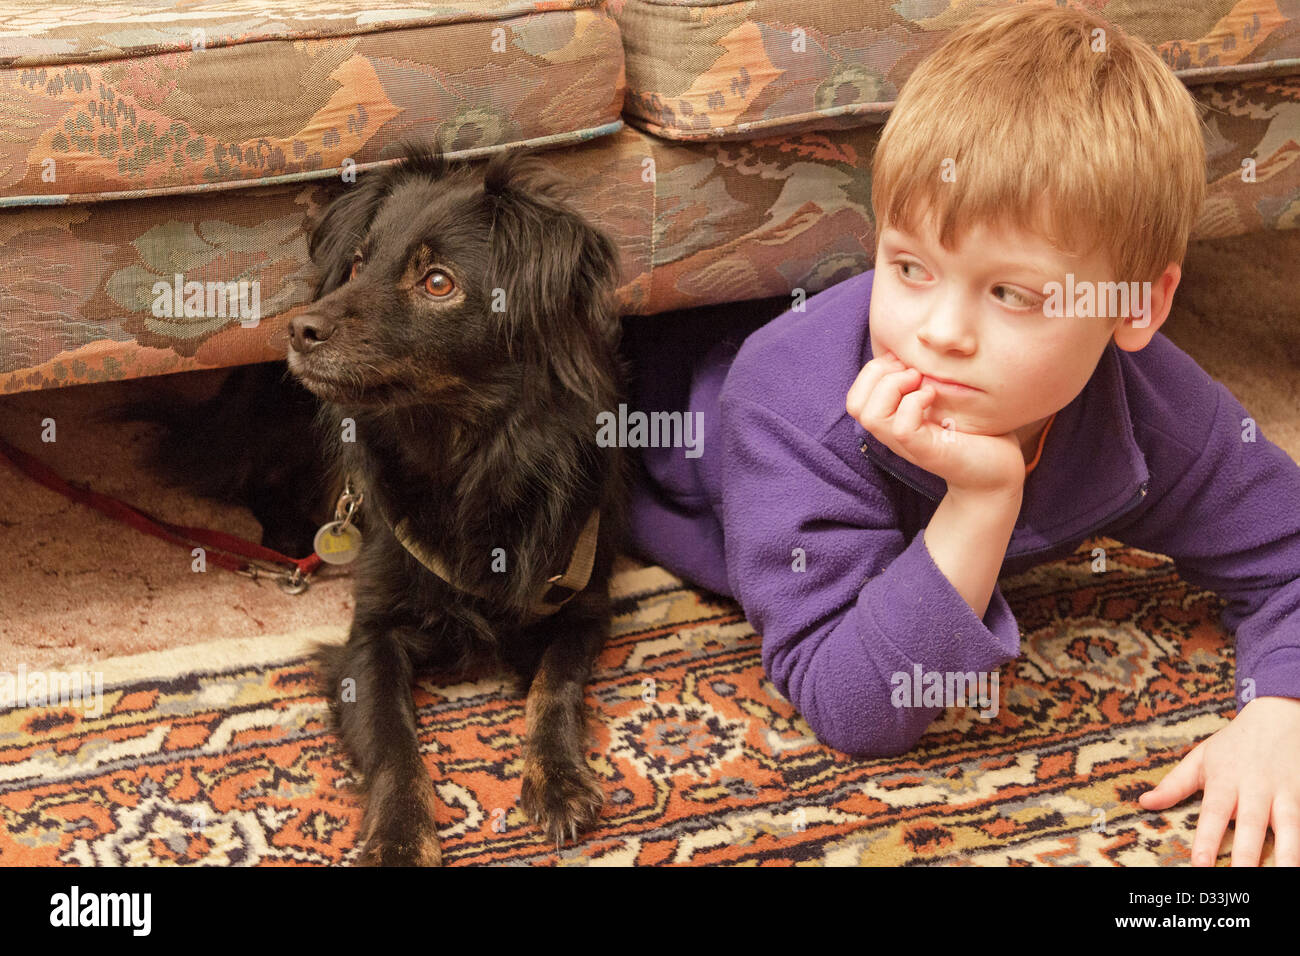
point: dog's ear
(557, 273)
(345, 223)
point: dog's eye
(356, 264)
(438, 284)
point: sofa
(725, 146)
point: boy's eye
(1014, 298)
(902, 265)
(438, 284)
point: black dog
(463, 340)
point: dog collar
(550, 596)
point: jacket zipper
(919, 490)
(1125, 509)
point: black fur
(254, 444)
(479, 425)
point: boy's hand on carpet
(1249, 770)
(887, 399)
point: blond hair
(1084, 138)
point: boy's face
(976, 315)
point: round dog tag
(336, 544)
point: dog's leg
(560, 792)
(375, 714)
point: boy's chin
(945, 418)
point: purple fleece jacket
(1152, 453)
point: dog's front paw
(399, 828)
(563, 798)
(402, 846)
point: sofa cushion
(695, 224)
(120, 100)
(706, 70)
(77, 290)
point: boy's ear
(1133, 332)
(557, 272)
(341, 229)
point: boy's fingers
(865, 383)
(856, 399)
(1252, 827)
(1216, 811)
(884, 399)
(1285, 820)
(910, 414)
(1178, 784)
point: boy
(984, 400)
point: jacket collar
(1091, 470)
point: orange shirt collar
(1041, 439)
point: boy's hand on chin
(885, 400)
(1249, 770)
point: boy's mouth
(944, 385)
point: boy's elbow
(845, 702)
(853, 727)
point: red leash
(221, 545)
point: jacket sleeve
(868, 605)
(1231, 524)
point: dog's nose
(307, 331)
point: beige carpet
(76, 587)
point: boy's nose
(947, 324)
(307, 331)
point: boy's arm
(967, 537)
(1231, 524)
(867, 606)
